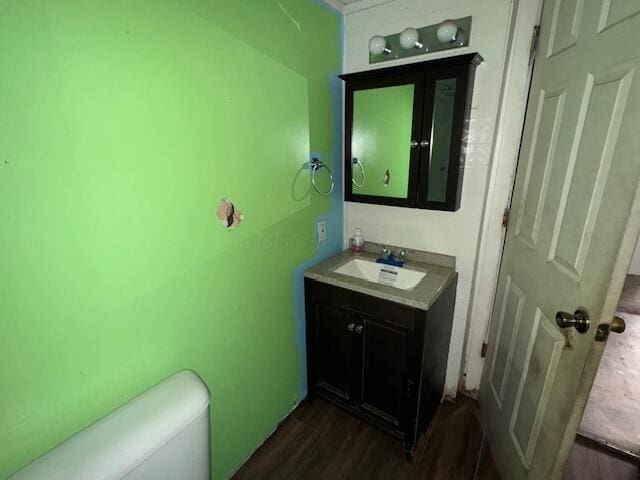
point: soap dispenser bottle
(357, 242)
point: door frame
(517, 74)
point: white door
(575, 220)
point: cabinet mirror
(380, 142)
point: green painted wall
(382, 120)
(122, 123)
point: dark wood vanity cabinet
(382, 361)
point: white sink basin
(401, 278)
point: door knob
(359, 329)
(414, 144)
(618, 325)
(578, 319)
(424, 143)
(351, 327)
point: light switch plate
(321, 230)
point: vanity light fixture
(448, 32)
(410, 38)
(445, 35)
(378, 46)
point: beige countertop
(439, 269)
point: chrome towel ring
(315, 166)
(355, 161)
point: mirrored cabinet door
(382, 150)
(442, 163)
(440, 139)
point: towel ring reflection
(315, 166)
(355, 161)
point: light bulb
(378, 45)
(447, 32)
(409, 38)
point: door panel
(615, 11)
(384, 360)
(333, 348)
(565, 25)
(545, 139)
(512, 303)
(577, 217)
(541, 363)
(601, 110)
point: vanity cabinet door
(384, 369)
(332, 348)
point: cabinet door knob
(351, 327)
(424, 143)
(414, 144)
(359, 329)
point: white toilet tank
(161, 434)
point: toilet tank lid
(117, 443)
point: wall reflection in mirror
(381, 141)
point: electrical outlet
(321, 230)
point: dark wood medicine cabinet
(405, 130)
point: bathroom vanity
(380, 351)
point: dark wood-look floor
(321, 441)
(589, 462)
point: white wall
(452, 233)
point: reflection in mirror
(381, 137)
(443, 106)
(363, 176)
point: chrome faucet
(400, 256)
